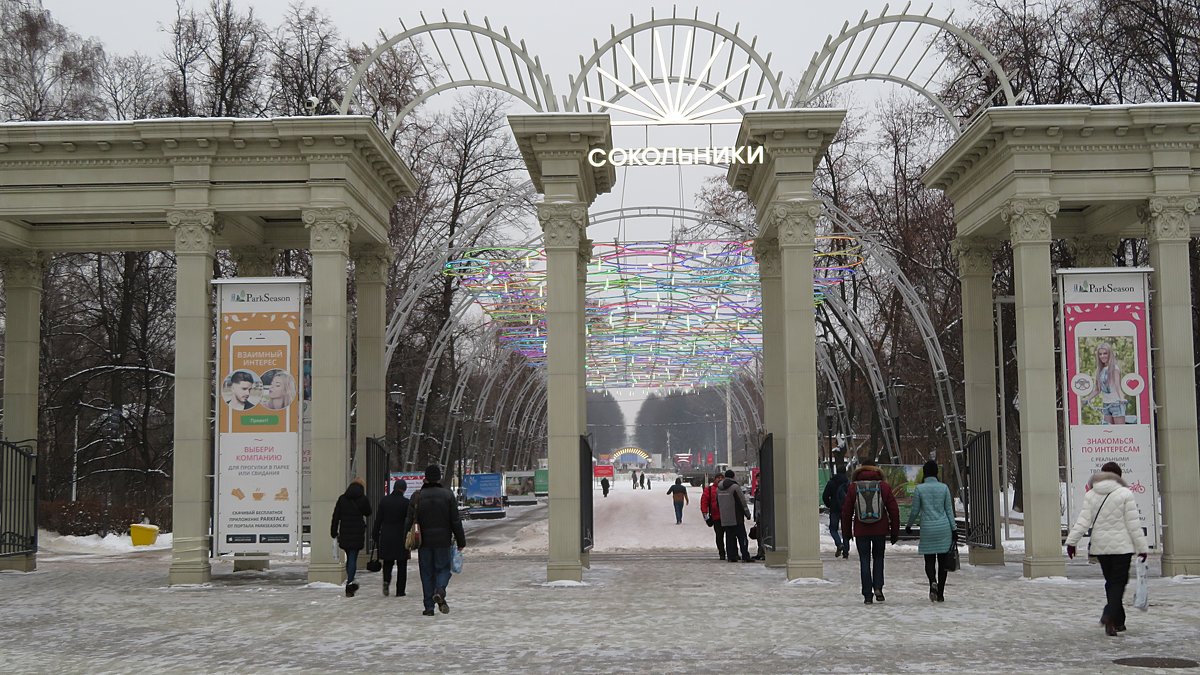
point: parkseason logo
(1089, 287)
(245, 296)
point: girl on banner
(1108, 385)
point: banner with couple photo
(1108, 399)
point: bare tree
(236, 61)
(132, 87)
(190, 38)
(307, 63)
(47, 72)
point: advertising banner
(603, 471)
(484, 494)
(1108, 405)
(258, 422)
(412, 481)
(306, 427)
(519, 487)
(541, 482)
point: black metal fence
(378, 465)
(980, 502)
(764, 501)
(18, 499)
(586, 526)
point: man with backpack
(872, 510)
(834, 495)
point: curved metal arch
(825, 365)
(538, 93)
(813, 83)
(578, 82)
(440, 343)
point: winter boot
(386, 583)
(933, 591)
(879, 594)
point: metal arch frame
(440, 343)
(539, 95)
(460, 388)
(497, 367)
(812, 84)
(579, 81)
(825, 364)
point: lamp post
(396, 396)
(894, 411)
(830, 415)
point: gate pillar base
(985, 556)
(564, 571)
(1175, 565)
(243, 564)
(776, 558)
(330, 573)
(1037, 568)
(190, 572)
(805, 569)
(26, 562)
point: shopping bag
(456, 561)
(1141, 590)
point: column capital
(195, 230)
(766, 253)
(371, 262)
(1094, 250)
(1168, 218)
(254, 261)
(974, 255)
(564, 224)
(793, 222)
(22, 267)
(329, 228)
(1029, 220)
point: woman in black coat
(349, 527)
(388, 535)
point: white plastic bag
(1141, 590)
(456, 561)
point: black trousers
(735, 538)
(1116, 578)
(935, 569)
(401, 574)
(720, 532)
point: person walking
(634, 476)
(349, 527)
(604, 485)
(642, 480)
(679, 496)
(388, 535)
(435, 510)
(712, 513)
(939, 534)
(833, 490)
(1110, 511)
(869, 513)
(734, 511)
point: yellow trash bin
(143, 535)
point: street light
(830, 415)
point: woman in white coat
(1112, 514)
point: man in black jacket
(388, 535)
(435, 511)
(835, 493)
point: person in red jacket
(871, 507)
(712, 513)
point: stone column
(795, 222)
(563, 225)
(254, 261)
(979, 368)
(329, 240)
(22, 349)
(1094, 250)
(371, 265)
(1029, 225)
(1167, 220)
(584, 257)
(192, 488)
(766, 252)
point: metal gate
(18, 501)
(586, 535)
(980, 502)
(764, 500)
(378, 455)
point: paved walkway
(660, 611)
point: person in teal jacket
(932, 502)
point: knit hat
(729, 473)
(360, 481)
(433, 473)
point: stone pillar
(371, 265)
(584, 256)
(766, 252)
(254, 261)
(192, 488)
(979, 368)
(1167, 220)
(22, 349)
(329, 240)
(796, 224)
(563, 225)
(1095, 250)
(1029, 222)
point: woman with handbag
(1111, 519)
(388, 535)
(349, 527)
(932, 502)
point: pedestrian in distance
(734, 511)
(388, 535)
(349, 527)
(834, 493)
(435, 510)
(869, 514)
(1111, 513)
(939, 534)
(679, 497)
(642, 480)
(604, 485)
(634, 476)
(712, 513)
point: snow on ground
(52, 542)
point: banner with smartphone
(258, 414)
(1108, 402)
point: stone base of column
(776, 558)
(1175, 565)
(329, 573)
(564, 571)
(805, 569)
(1037, 568)
(585, 560)
(190, 572)
(19, 563)
(243, 564)
(985, 556)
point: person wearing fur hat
(349, 527)
(435, 511)
(932, 502)
(871, 509)
(1111, 513)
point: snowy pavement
(674, 611)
